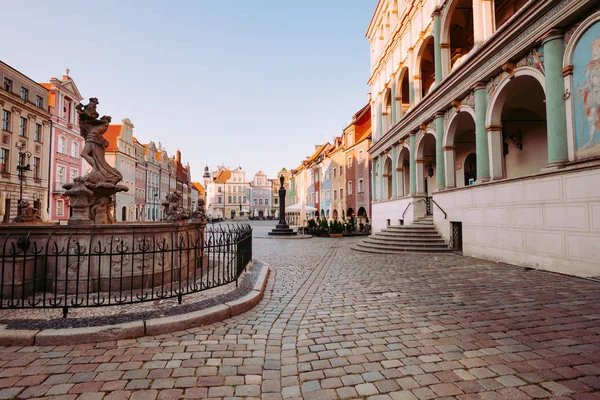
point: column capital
(568, 70)
(413, 133)
(440, 114)
(436, 12)
(553, 34)
(448, 148)
(481, 85)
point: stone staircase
(419, 237)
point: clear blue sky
(254, 83)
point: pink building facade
(66, 143)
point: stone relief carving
(27, 213)
(200, 211)
(174, 210)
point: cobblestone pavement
(341, 324)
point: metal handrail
(441, 209)
(410, 204)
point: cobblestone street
(336, 323)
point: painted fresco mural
(586, 81)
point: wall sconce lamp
(430, 169)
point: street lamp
(22, 168)
(154, 207)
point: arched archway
(459, 142)
(403, 172)
(232, 214)
(519, 108)
(335, 214)
(350, 212)
(426, 66)
(124, 213)
(322, 213)
(402, 93)
(425, 164)
(361, 215)
(387, 178)
(327, 213)
(458, 34)
(470, 169)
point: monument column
(554, 47)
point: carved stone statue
(200, 212)
(27, 214)
(174, 210)
(93, 192)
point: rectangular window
(220, 200)
(7, 85)
(266, 202)
(36, 167)
(219, 190)
(60, 207)
(360, 186)
(4, 160)
(316, 197)
(349, 162)
(37, 132)
(334, 173)
(229, 199)
(360, 155)
(335, 194)
(6, 120)
(327, 195)
(254, 201)
(39, 102)
(341, 173)
(61, 174)
(22, 126)
(24, 94)
(349, 188)
(75, 150)
(260, 202)
(341, 194)
(75, 174)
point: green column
(394, 177)
(413, 164)
(380, 179)
(373, 173)
(380, 131)
(411, 89)
(440, 167)
(481, 137)
(556, 114)
(393, 93)
(437, 41)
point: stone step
(399, 250)
(400, 241)
(410, 228)
(409, 234)
(441, 245)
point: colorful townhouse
(66, 142)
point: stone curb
(130, 330)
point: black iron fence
(102, 270)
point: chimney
(178, 157)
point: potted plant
(336, 229)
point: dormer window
(24, 94)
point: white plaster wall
(392, 210)
(550, 222)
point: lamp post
(21, 167)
